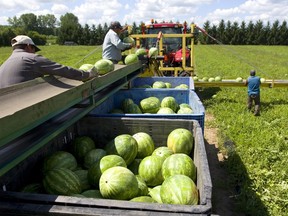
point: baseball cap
(23, 39)
(116, 25)
(252, 72)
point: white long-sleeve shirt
(113, 46)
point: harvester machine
(174, 42)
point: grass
(257, 147)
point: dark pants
(256, 99)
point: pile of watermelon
(161, 85)
(129, 167)
(102, 66)
(153, 105)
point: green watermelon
(134, 165)
(116, 111)
(143, 188)
(87, 67)
(155, 193)
(145, 144)
(133, 109)
(218, 79)
(182, 86)
(185, 105)
(32, 188)
(118, 183)
(104, 66)
(150, 105)
(93, 156)
(125, 103)
(131, 58)
(59, 159)
(83, 177)
(180, 140)
(92, 194)
(153, 52)
(123, 145)
(165, 111)
(179, 163)
(81, 146)
(170, 102)
(141, 51)
(168, 85)
(150, 170)
(159, 84)
(106, 162)
(129, 40)
(146, 199)
(205, 79)
(163, 151)
(61, 181)
(179, 189)
(185, 110)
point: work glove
(93, 72)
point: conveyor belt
(26, 105)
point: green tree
(69, 28)
(283, 33)
(47, 24)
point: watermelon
(205, 79)
(88, 67)
(32, 188)
(218, 79)
(134, 165)
(81, 146)
(185, 105)
(92, 193)
(150, 170)
(129, 40)
(145, 144)
(59, 159)
(159, 84)
(123, 145)
(104, 66)
(165, 111)
(125, 103)
(133, 109)
(211, 79)
(83, 177)
(153, 52)
(179, 163)
(163, 151)
(118, 183)
(239, 79)
(168, 85)
(155, 193)
(196, 78)
(180, 140)
(131, 58)
(142, 187)
(93, 156)
(141, 51)
(179, 189)
(106, 162)
(61, 181)
(182, 86)
(146, 199)
(185, 110)
(150, 105)
(170, 102)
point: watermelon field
(255, 148)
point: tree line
(41, 27)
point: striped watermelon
(180, 140)
(61, 181)
(169, 102)
(93, 156)
(179, 164)
(150, 105)
(83, 177)
(81, 146)
(123, 145)
(59, 159)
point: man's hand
(93, 72)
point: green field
(257, 147)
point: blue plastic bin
(175, 81)
(181, 96)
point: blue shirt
(113, 46)
(253, 85)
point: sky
(129, 11)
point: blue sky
(126, 11)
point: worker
(112, 45)
(24, 64)
(253, 82)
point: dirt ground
(222, 195)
